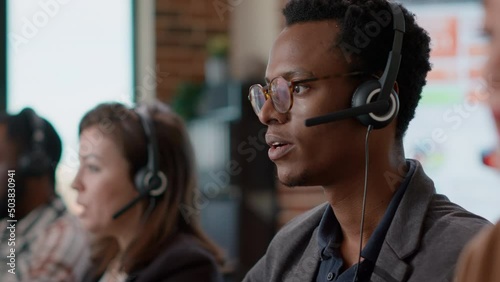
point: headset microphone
(149, 180)
(132, 203)
(375, 107)
(375, 102)
(128, 206)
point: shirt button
(330, 276)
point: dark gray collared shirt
(330, 238)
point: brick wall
(183, 28)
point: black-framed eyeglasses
(281, 90)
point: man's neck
(346, 200)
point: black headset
(368, 107)
(149, 181)
(34, 162)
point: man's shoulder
(446, 229)
(448, 217)
(67, 223)
(434, 214)
(293, 251)
(486, 243)
(60, 221)
(297, 233)
(60, 237)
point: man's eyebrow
(290, 74)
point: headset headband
(391, 71)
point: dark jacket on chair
(184, 260)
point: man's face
(7, 161)
(318, 155)
(492, 28)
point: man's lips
(278, 152)
(279, 146)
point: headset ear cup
(158, 184)
(140, 181)
(368, 92)
(40, 164)
(23, 165)
(34, 164)
(149, 184)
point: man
(39, 239)
(329, 50)
(481, 258)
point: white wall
(254, 26)
(65, 57)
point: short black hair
(20, 130)
(355, 16)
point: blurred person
(39, 239)
(338, 70)
(480, 260)
(136, 186)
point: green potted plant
(186, 100)
(216, 66)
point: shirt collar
(329, 233)
(372, 248)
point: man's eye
(297, 89)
